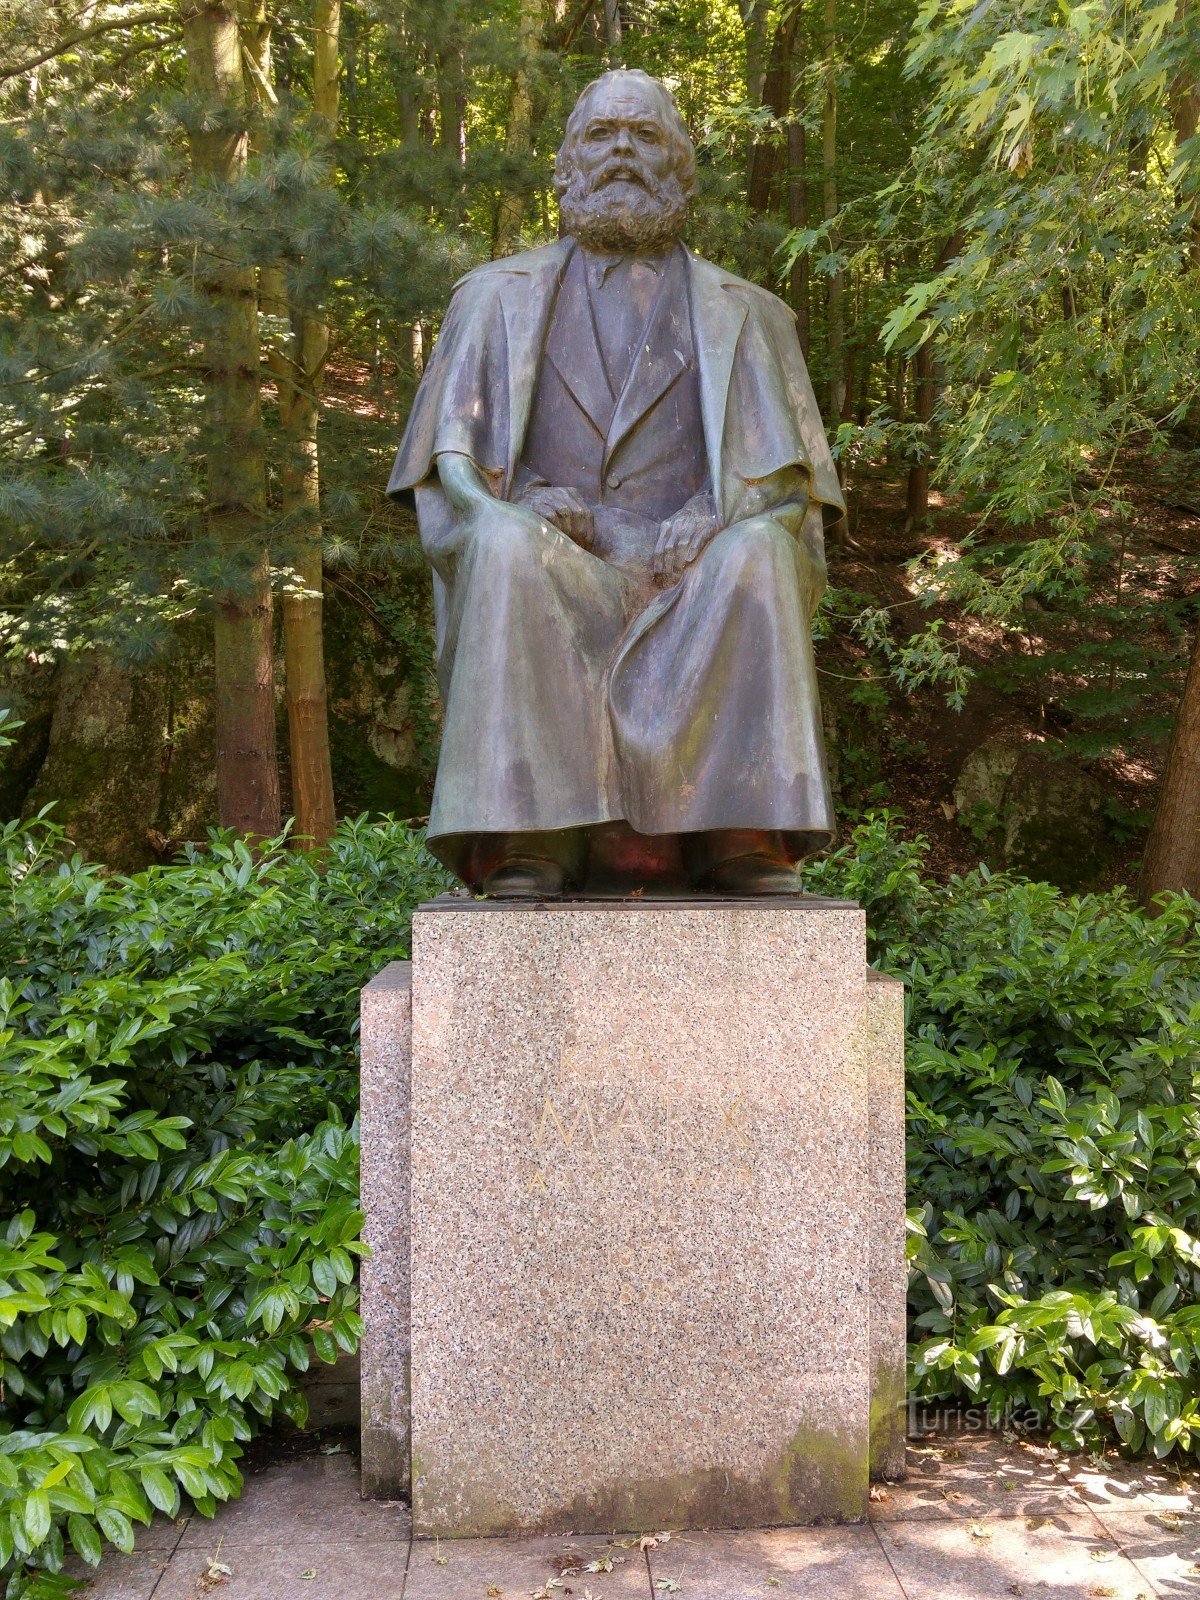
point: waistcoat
(641, 450)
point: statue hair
(682, 148)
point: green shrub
(178, 1164)
(1053, 1143)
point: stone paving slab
(1072, 1528)
(305, 1500)
(969, 1475)
(121, 1577)
(163, 1534)
(789, 1564)
(1067, 1557)
(1111, 1483)
(475, 1569)
(1164, 1546)
(320, 1571)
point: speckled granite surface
(386, 1023)
(642, 1196)
(881, 1039)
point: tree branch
(141, 19)
(562, 41)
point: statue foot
(752, 876)
(525, 878)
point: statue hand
(682, 537)
(565, 509)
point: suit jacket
(633, 444)
(759, 412)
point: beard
(614, 210)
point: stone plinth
(653, 1193)
(386, 1037)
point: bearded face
(623, 207)
(622, 185)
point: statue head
(626, 172)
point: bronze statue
(621, 479)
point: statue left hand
(682, 537)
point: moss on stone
(889, 1420)
(819, 1477)
(825, 1477)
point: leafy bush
(178, 1164)
(1053, 1142)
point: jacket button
(614, 480)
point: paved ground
(979, 1516)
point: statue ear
(564, 167)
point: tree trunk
(867, 372)
(765, 154)
(754, 28)
(247, 766)
(452, 105)
(518, 143)
(303, 607)
(1185, 110)
(798, 193)
(298, 369)
(303, 604)
(924, 393)
(1172, 855)
(835, 294)
(916, 504)
(612, 31)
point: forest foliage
(983, 216)
(178, 1165)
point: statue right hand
(565, 509)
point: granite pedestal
(634, 1183)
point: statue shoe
(752, 876)
(525, 878)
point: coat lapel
(718, 315)
(527, 302)
(666, 350)
(574, 352)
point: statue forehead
(625, 101)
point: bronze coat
(569, 701)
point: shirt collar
(599, 264)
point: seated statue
(621, 479)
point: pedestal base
(645, 1254)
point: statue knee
(757, 540)
(504, 540)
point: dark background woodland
(233, 230)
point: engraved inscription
(583, 1130)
